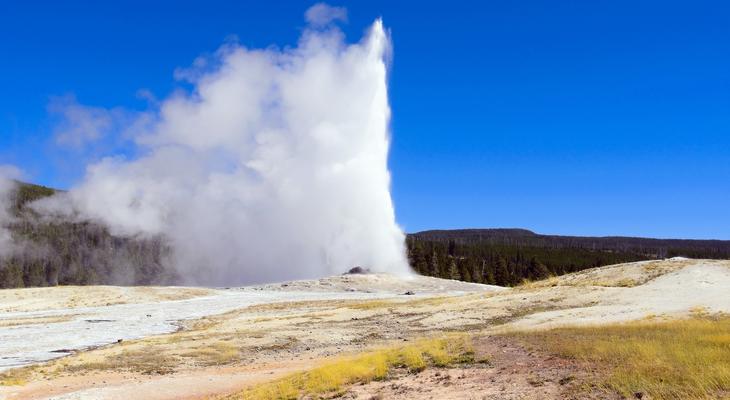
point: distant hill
(50, 251)
(509, 256)
(655, 248)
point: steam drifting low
(7, 174)
(273, 167)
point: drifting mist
(273, 167)
(7, 175)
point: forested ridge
(53, 251)
(507, 257)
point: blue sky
(571, 117)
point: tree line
(504, 265)
(508, 257)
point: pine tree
(489, 274)
(477, 274)
(453, 270)
(537, 270)
(465, 271)
(434, 265)
(501, 274)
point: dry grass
(15, 377)
(371, 304)
(145, 361)
(286, 305)
(410, 303)
(620, 275)
(36, 320)
(626, 282)
(551, 281)
(608, 282)
(218, 353)
(554, 281)
(685, 359)
(334, 377)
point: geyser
(273, 166)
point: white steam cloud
(273, 167)
(80, 125)
(322, 14)
(7, 186)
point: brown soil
(198, 384)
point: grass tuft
(218, 353)
(371, 304)
(145, 361)
(17, 377)
(333, 378)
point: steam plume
(273, 167)
(7, 186)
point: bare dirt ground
(225, 352)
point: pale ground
(67, 297)
(216, 342)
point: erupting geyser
(273, 167)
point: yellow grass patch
(15, 377)
(217, 353)
(334, 377)
(685, 359)
(36, 320)
(371, 304)
(550, 281)
(145, 360)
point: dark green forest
(507, 257)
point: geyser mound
(273, 167)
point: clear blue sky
(565, 117)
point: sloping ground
(248, 335)
(640, 290)
(619, 275)
(381, 283)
